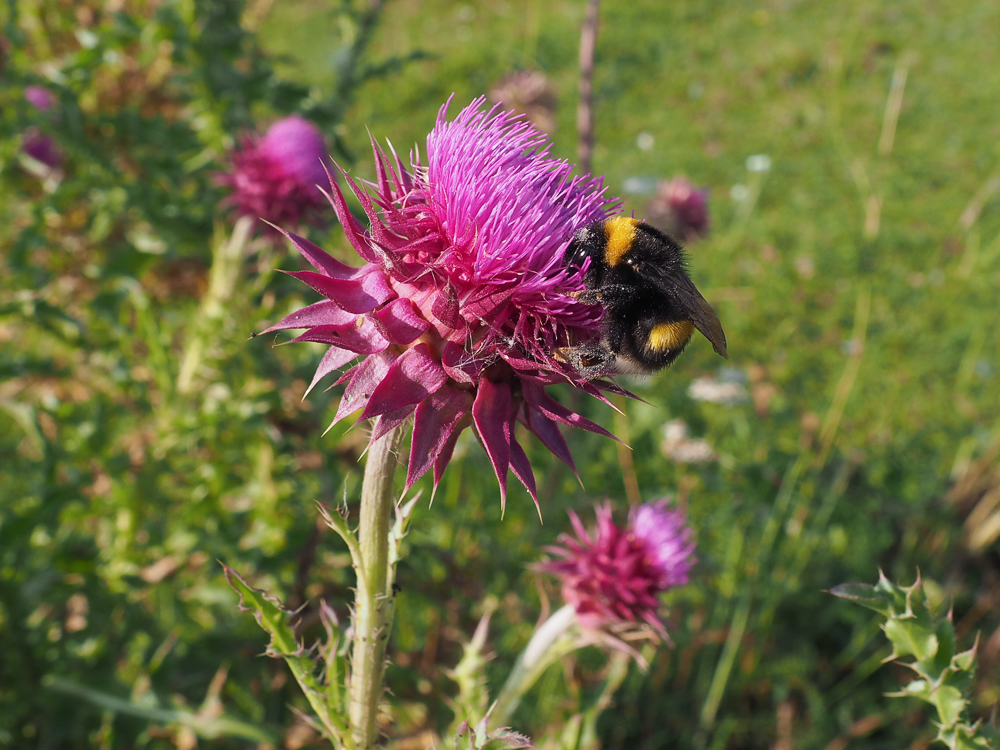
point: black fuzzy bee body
(651, 306)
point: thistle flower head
(613, 575)
(464, 298)
(679, 209)
(275, 177)
(37, 144)
(39, 97)
(41, 147)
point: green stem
(373, 603)
(222, 278)
(552, 640)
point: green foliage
(945, 676)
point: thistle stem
(552, 640)
(373, 603)
(222, 278)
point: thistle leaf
(275, 620)
(945, 676)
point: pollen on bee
(669, 335)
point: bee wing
(687, 297)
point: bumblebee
(651, 306)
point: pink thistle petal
(484, 305)
(363, 339)
(434, 425)
(549, 433)
(384, 240)
(356, 296)
(389, 421)
(334, 359)
(459, 365)
(491, 414)
(446, 307)
(552, 409)
(321, 260)
(363, 380)
(325, 313)
(355, 234)
(401, 321)
(441, 462)
(521, 467)
(411, 379)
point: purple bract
(463, 302)
(616, 575)
(276, 177)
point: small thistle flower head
(275, 177)
(679, 209)
(37, 144)
(464, 299)
(42, 148)
(613, 576)
(39, 97)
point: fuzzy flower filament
(464, 299)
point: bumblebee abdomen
(666, 336)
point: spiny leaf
(396, 535)
(275, 620)
(865, 595)
(911, 638)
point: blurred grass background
(857, 279)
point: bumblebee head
(588, 242)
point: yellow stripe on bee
(620, 232)
(665, 336)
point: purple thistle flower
(38, 145)
(616, 575)
(39, 97)
(41, 148)
(679, 209)
(275, 177)
(464, 298)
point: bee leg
(593, 360)
(587, 296)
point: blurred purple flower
(679, 209)
(616, 575)
(39, 97)
(41, 147)
(464, 297)
(275, 177)
(36, 144)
